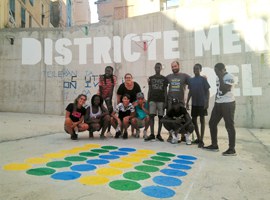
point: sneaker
(125, 136)
(169, 138)
(74, 136)
(195, 141)
(91, 135)
(144, 134)
(109, 134)
(117, 134)
(211, 148)
(150, 137)
(188, 141)
(137, 134)
(201, 144)
(159, 138)
(174, 140)
(229, 152)
(102, 137)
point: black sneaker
(212, 148)
(74, 136)
(229, 152)
(149, 138)
(159, 138)
(196, 141)
(125, 135)
(200, 144)
(117, 134)
(169, 138)
(91, 134)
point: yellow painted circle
(146, 151)
(132, 159)
(92, 145)
(80, 148)
(109, 171)
(37, 160)
(121, 165)
(94, 180)
(69, 151)
(54, 155)
(17, 166)
(139, 155)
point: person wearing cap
(177, 120)
(107, 82)
(157, 101)
(177, 86)
(142, 115)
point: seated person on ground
(178, 120)
(74, 117)
(142, 118)
(97, 116)
(122, 115)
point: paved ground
(212, 176)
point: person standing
(157, 101)
(107, 82)
(199, 92)
(129, 87)
(224, 108)
(177, 86)
(74, 117)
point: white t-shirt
(228, 96)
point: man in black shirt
(178, 120)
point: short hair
(158, 65)
(125, 95)
(109, 67)
(100, 99)
(199, 65)
(128, 74)
(219, 66)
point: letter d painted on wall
(31, 51)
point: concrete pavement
(212, 176)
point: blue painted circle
(187, 157)
(66, 175)
(173, 172)
(185, 162)
(167, 181)
(127, 149)
(158, 192)
(108, 157)
(179, 166)
(83, 167)
(97, 161)
(118, 153)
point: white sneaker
(144, 134)
(137, 135)
(188, 141)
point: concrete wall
(46, 69)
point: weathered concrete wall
(46, 69)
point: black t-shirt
(177, 111)
(132, 93)
(157, 86)
(75, 115)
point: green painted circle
(75, 158)
(153, 162)
(109, 147)
(58, 164)
(165, 154)
(124, 185)
(146, 168)
(160, 158)
(99, 151)
(88, 154)
(136, 176)
(42, 171)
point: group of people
(165, 100)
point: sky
(93, 8)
